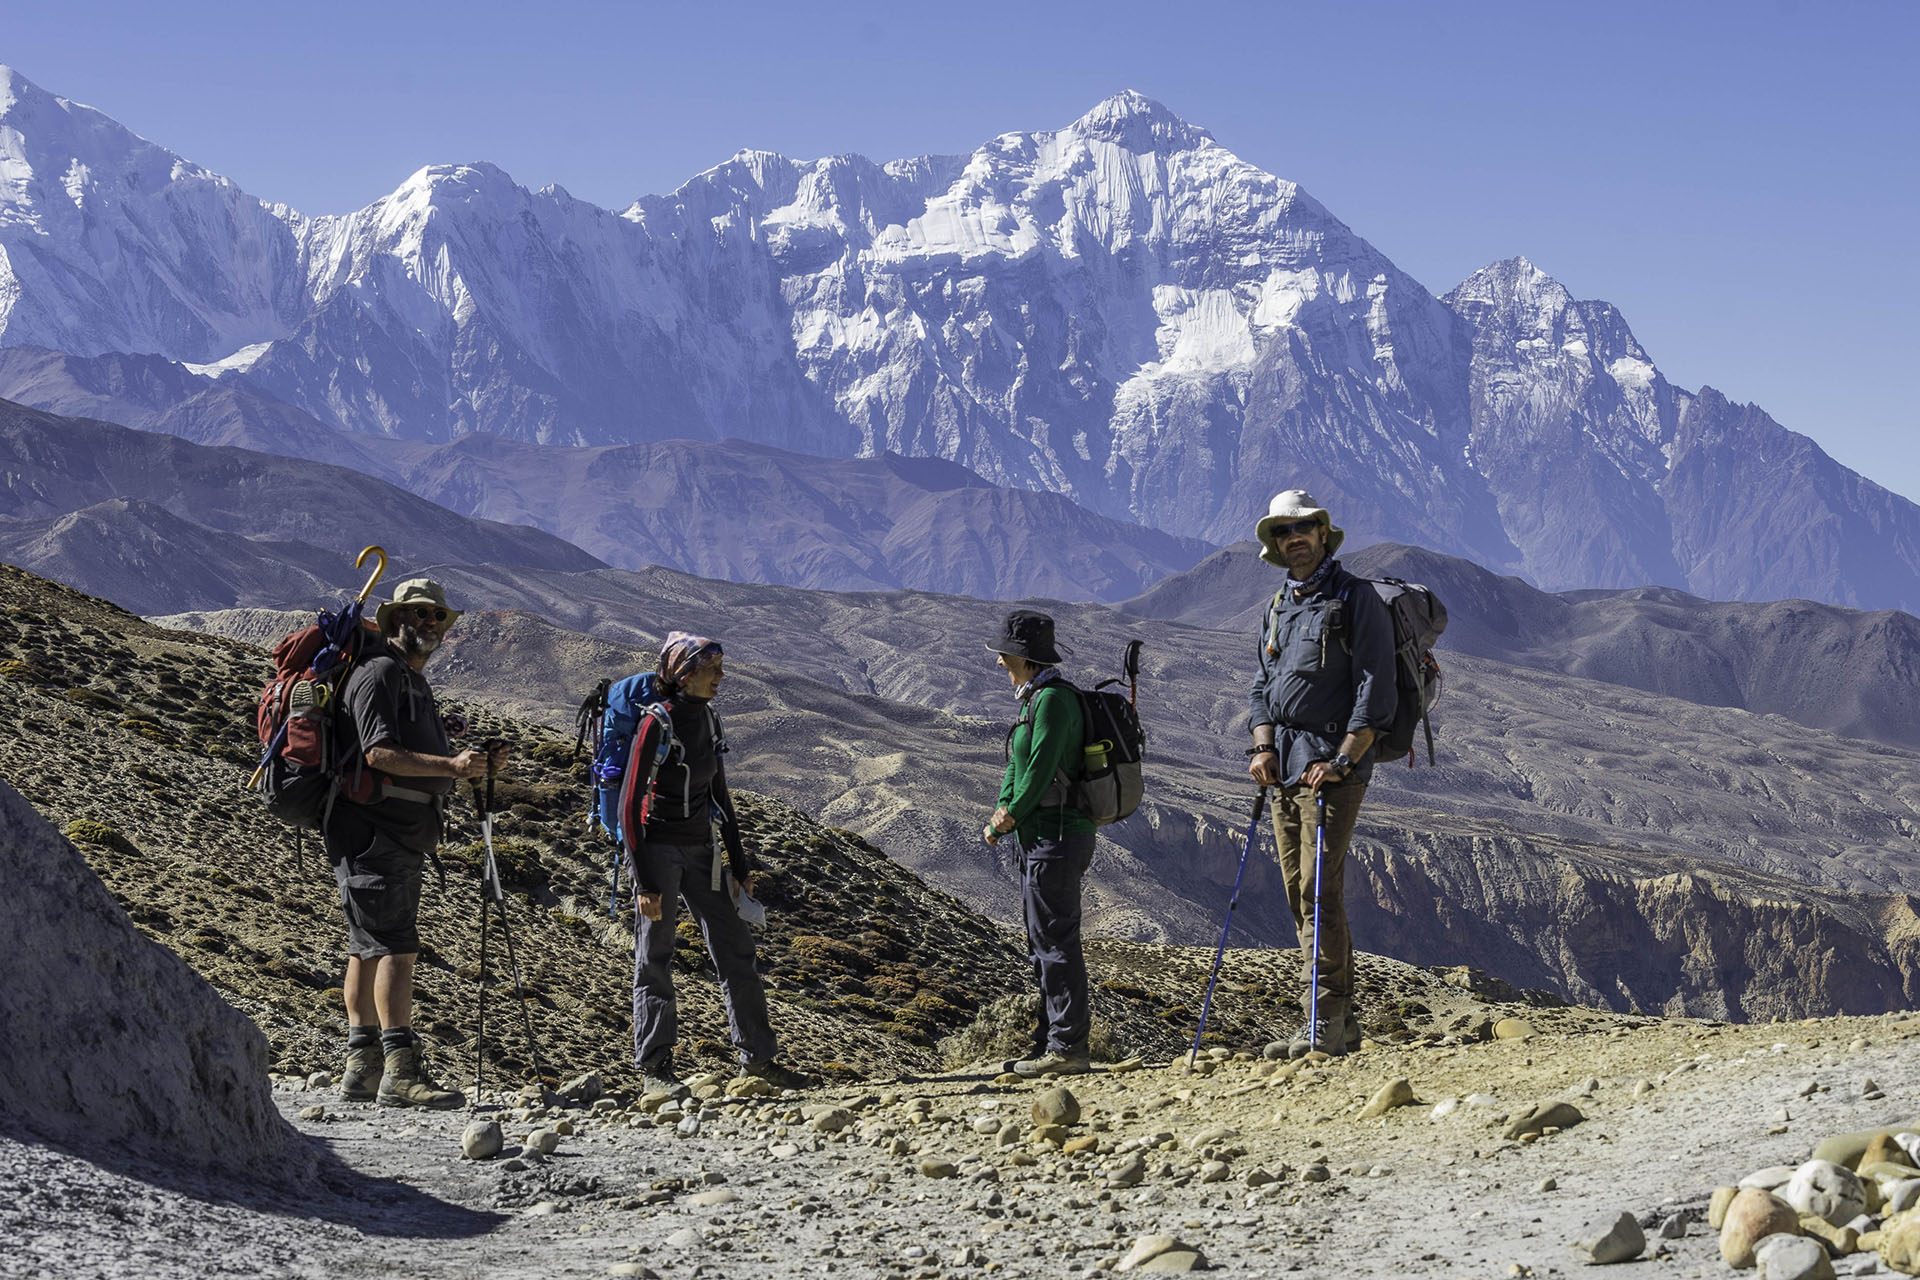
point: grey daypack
(1418, 621)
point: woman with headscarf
(683, 837)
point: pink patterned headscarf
(683, 653)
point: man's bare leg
(393, 990)
(358, 992)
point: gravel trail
(767, 1189)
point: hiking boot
(1054, 1062)
(780, 1077)
(1351, 1025)
(407, 1084)
(360, 1081)
(1316, 1038)
(658, 1076)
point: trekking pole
(480, 1028)
(491, 890)
(1319, 864)
(1253, 829)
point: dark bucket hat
(1027, 634)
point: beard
(414, 642)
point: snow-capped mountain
(110, 243)
(1120, 311)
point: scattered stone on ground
(1611, 1241)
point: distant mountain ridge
(732, 510)
(165, 524)
(1120, 311)
(1840, 670)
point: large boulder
(114, 1045)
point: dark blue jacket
(1326, 669)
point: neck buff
(1313, 581)
(1033, 686)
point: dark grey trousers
(685, 871)
(1051, 871)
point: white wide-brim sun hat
(1286, 507)
(417, 591)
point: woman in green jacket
(1040, 805)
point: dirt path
(765, 1194)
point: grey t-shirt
(385, 702)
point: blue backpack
(613, 715)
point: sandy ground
(1406, 1195)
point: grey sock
(362, 1037)
(394, 1039)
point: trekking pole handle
(490, 746)
(379, 569)
(1259, 804)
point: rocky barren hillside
(136, 741)
(1479, 1127)
(1615, 846)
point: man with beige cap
(396, 773)
(1325, 687)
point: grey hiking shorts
(380, 895)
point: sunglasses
(422, 613)
(1280, 531)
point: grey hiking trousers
(685, 871)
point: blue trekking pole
(1253, 829)
(1313, 971)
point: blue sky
(1741, 179)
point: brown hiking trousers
(1295, 817)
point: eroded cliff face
(1629, 932)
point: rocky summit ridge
(1120, 311)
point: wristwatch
(1343, 762)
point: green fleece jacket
(1049, 737)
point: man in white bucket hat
(398, 769)
(1324, 689)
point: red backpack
(300, 764)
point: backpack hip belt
(391, 792)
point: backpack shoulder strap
(1272, 622)
(1025, 717)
